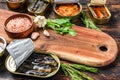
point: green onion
(71, 71)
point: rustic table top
(110, 72)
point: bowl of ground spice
(19, 25)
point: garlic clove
(46, 33)
(36, 19)
(35, 35)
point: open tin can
(38, 7)
(24, 60)
(39, 64)
(99, 12)
(67, 8)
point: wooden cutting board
(89, 47)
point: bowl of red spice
(19, 25)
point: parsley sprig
(61, 26)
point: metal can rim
(8, 65)
(54, 8)
(3, 41)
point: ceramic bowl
(19, 25)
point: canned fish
(38, 7)
(99, 11)
(64, 1)
(39, 64)
(68, 10)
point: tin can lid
(65, 1)
(10, 64)
(95, 2)
(20, 50)
(2, 44)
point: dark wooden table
(110, 72)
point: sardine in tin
(24, 60)
(38, 7)
(10, 65)
(99, 12)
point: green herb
(61, 26)
(84, 68)
(88, 22)
(71, 70)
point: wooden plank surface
(86, 48)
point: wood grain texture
(85, 48)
